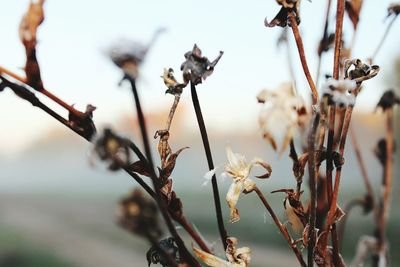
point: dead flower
(340, 92)
(129, 55)
(239, 169)
(237, 257)
(388, 100)
(155, 256)
(283, 113)
(360, 71)
(174, 88)
(394, 9)
(113, 148)
(197, 67)
(139, 215)
(282, 18)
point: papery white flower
(281, 115)
(237, 257)
(239, 169)
(340, 92)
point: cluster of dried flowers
(285, 120)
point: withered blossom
(174, 87)
(360, 71)
(239, 169)
(340, 92)
(139, 215)
(388, 100)
(129, 55)
(394, 9)
(294, 210)
(282, 18)
(113, 148)
(236, 257)
(282, 114)
(197, 67)
(155, 256)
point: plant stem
(342, 227)
(329, 150)
(386, 184)
(281, 227)
(172, 111)
(378, 48)
(324, 36)
(313, 189)
(333, 204)
(338, 37)
(300, 48)
(185, 254)
(56, 99)
(363, 169)
(206, 144)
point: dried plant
(312, 210)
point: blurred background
(58, 209)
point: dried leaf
(140, 167)
(353, 8)
(170, 164)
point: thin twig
(324, 37)
(342, 226)
(313, 189)
(386, 183)
(281, 227)
(300, 48)
(206, 144)
(47, 93)
(378, 48)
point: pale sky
(75, 34)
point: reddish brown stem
(281, 227)
(338, 37)
(300, 48)
(386, 184)
(56, 99)
(312, 169)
